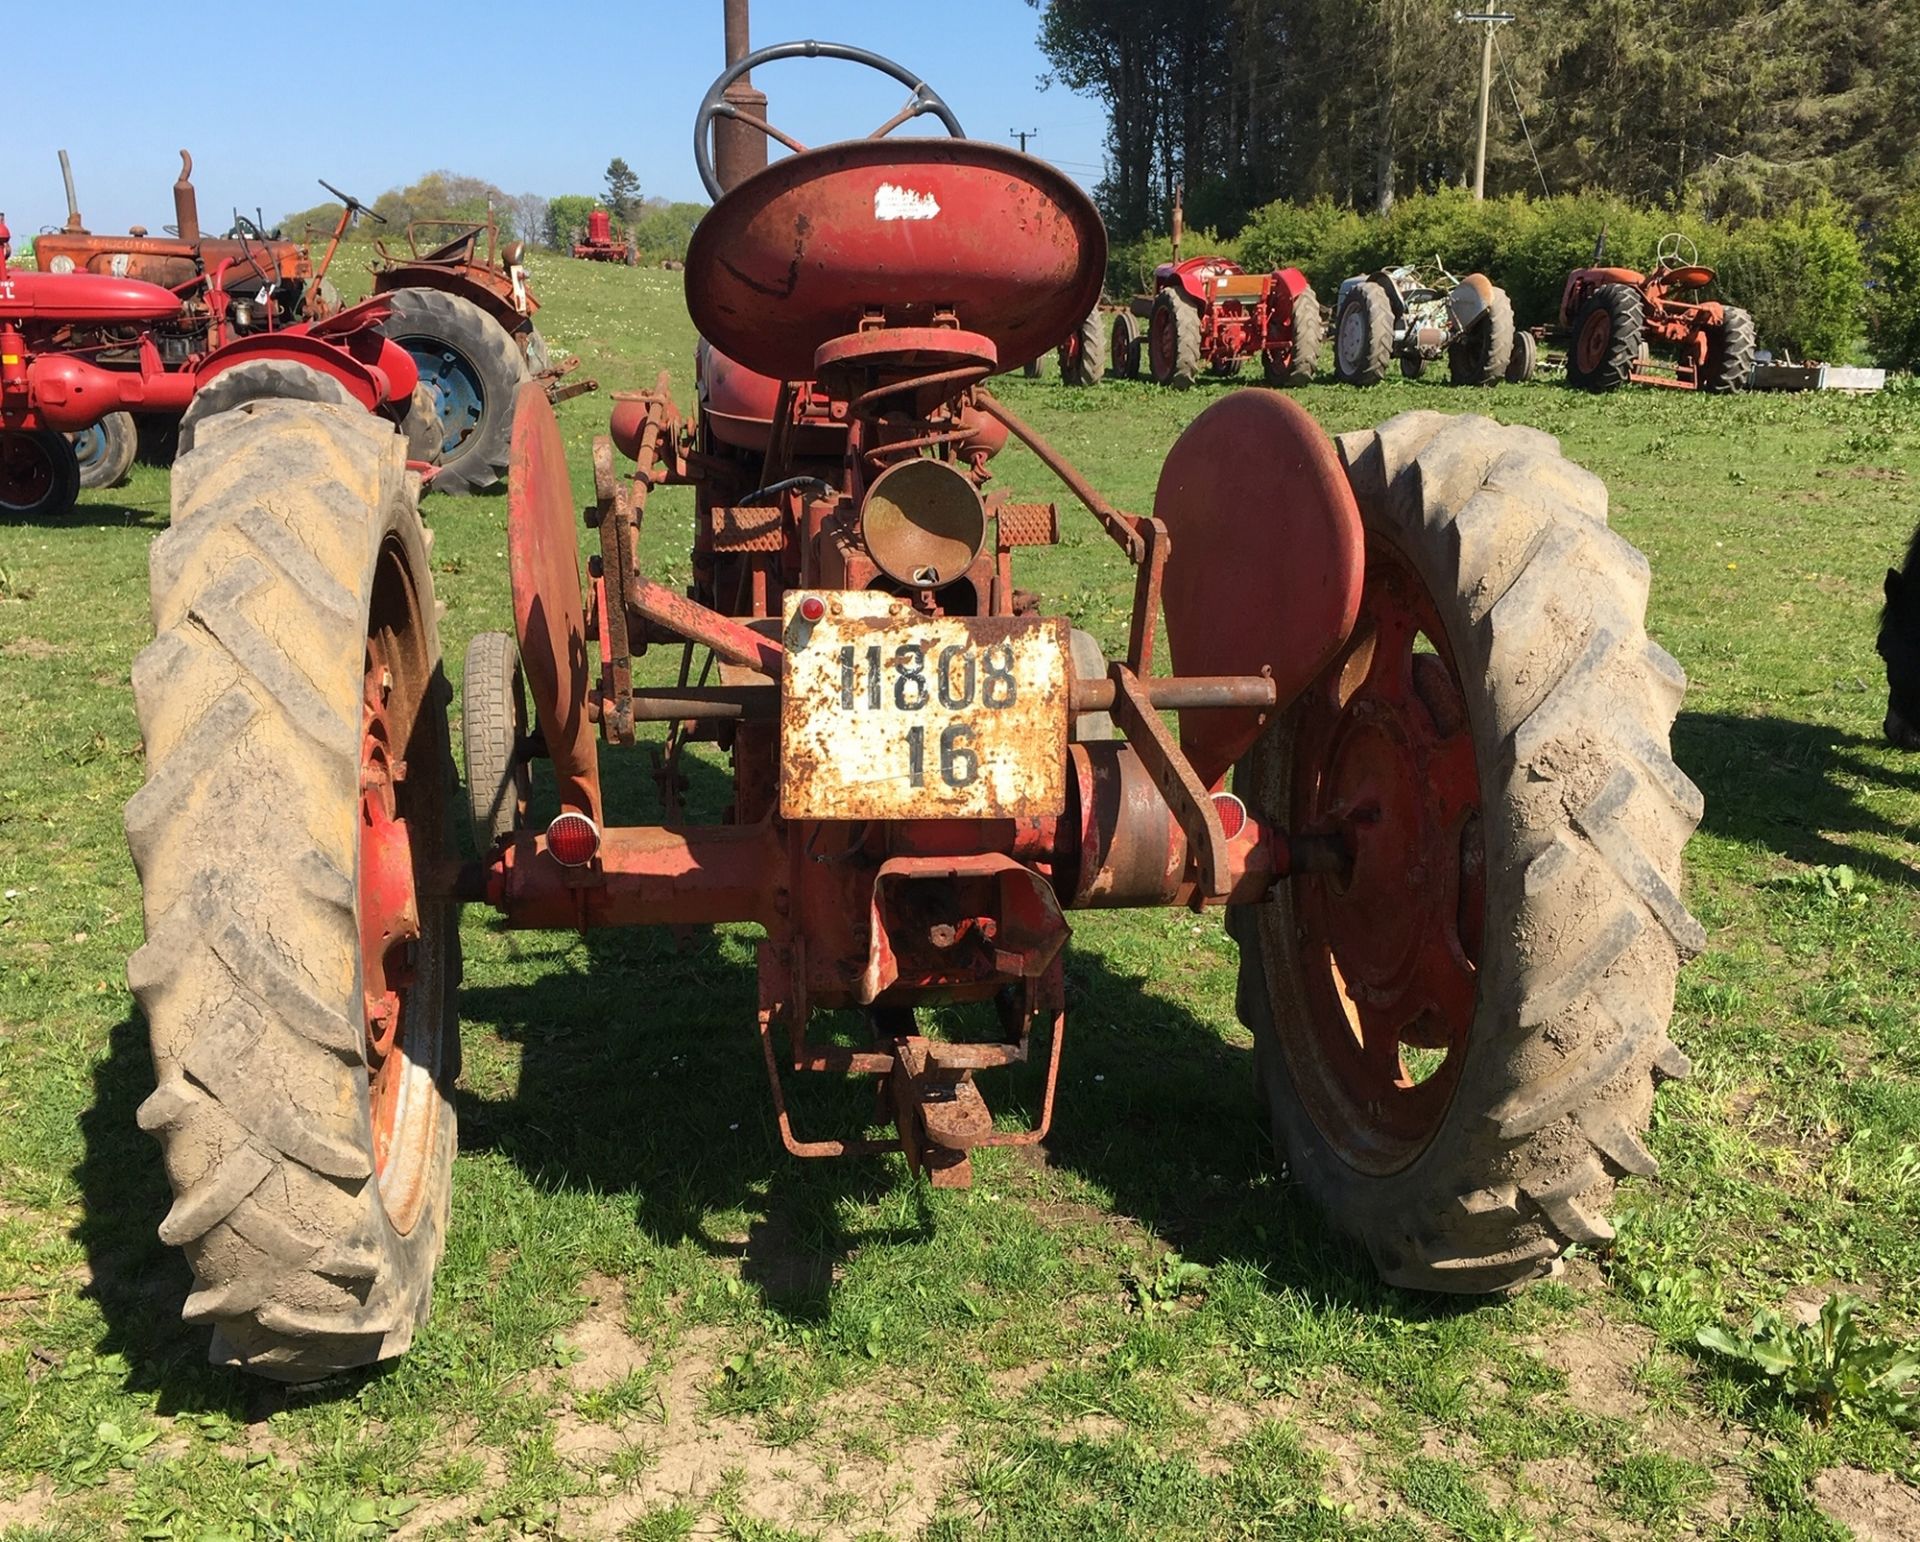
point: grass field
(652, 1324)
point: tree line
(1725, 108)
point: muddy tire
(1482, 356)
(538, 355)
(1083, 357)
(1173, 340)
(1605, 348)
(1730, 353)
(39, 474)
(421, 425)
(295, 660)
(1552, 709)
(1363, 336)
(475, 367)
(493, 733)
(105, 452)
(1296, 366)
(1123, 345)
(261, 380)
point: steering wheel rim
(714, 104)
(351, 202)
(1670, 254)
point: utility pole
(1023, 135)
(1489, 20)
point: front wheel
(106, 450)
(1123, 345)
(1083, 357)
(1363, 336)
(39, 474)
(1458, 1030)
(298, 977)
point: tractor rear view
(603, 241)
(1209, 313)
(1421, 762)
(1419, 316)
(1615, 316)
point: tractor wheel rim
(1389, 949)
(1353, 338)
(1160, 343)
(397, 823)
(26, 472)
(460, 396)
(1595, 338)
(90, 446)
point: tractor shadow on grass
(1791, 787)
(106, 516)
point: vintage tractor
(1421, 761)
(601, 241)
(1613, 317)
(462, 307)
(1417, 316)
(1210, 313)
(248, 288)
(81, 356)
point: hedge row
(1804, 275)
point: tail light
(573, 840)
(1232, 812)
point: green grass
(650, 1323)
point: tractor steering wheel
(1676, 251)
(353, 205)
(714, 104)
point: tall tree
(623, 189)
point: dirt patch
(607, 1353)
(1558, 1492)
(1867, 474)
(1598, 1358)
(1877, 1506)
(32, 648)
(28, 1509)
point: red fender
(543, 556)
(1291, 282)
(1266, 563)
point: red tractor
(1421, 762)
(82, 353)
(1613, 316)
(1210, 313)
(462, 307)
(602, 242)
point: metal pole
(739, 151)
(1486, 86)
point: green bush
(1893, 303)
(1803, 277)
(1130, 264)
(663, 230)
(566, 214)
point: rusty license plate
(889, 714)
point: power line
(1023, 135)
(1513, 92)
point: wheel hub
(1385, 763)
(389, 904)
(459, 396)
(26, 472)
(1595, 337)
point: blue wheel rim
(458, 392)
(89, 446)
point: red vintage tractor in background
(81, 354)
(602, 242)
(1421, 761)
(1614, 315)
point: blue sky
(535, 97)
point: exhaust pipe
(74, 226)
(739, 151)
(186, 206)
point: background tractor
(1421, 758)
(1614, 317)
(1417, 316)
(1210, 313)
(602, 241)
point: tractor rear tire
(1173, 340)
(477, 368)
(538, 355)
(1083, 357)
(1481, 357)
(421, 425)
(1570, 816)
(493, 734)
(1303, 355)
(1363, 336)
(1123, 346)
(295, 664)
(1524, 360)
(260, 380)
(39, 474)
(1607, 334)
(1730, 352)
(105, 451)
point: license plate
(889, 714)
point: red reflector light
(1232, 812)
(812, 608)
(573, 839)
